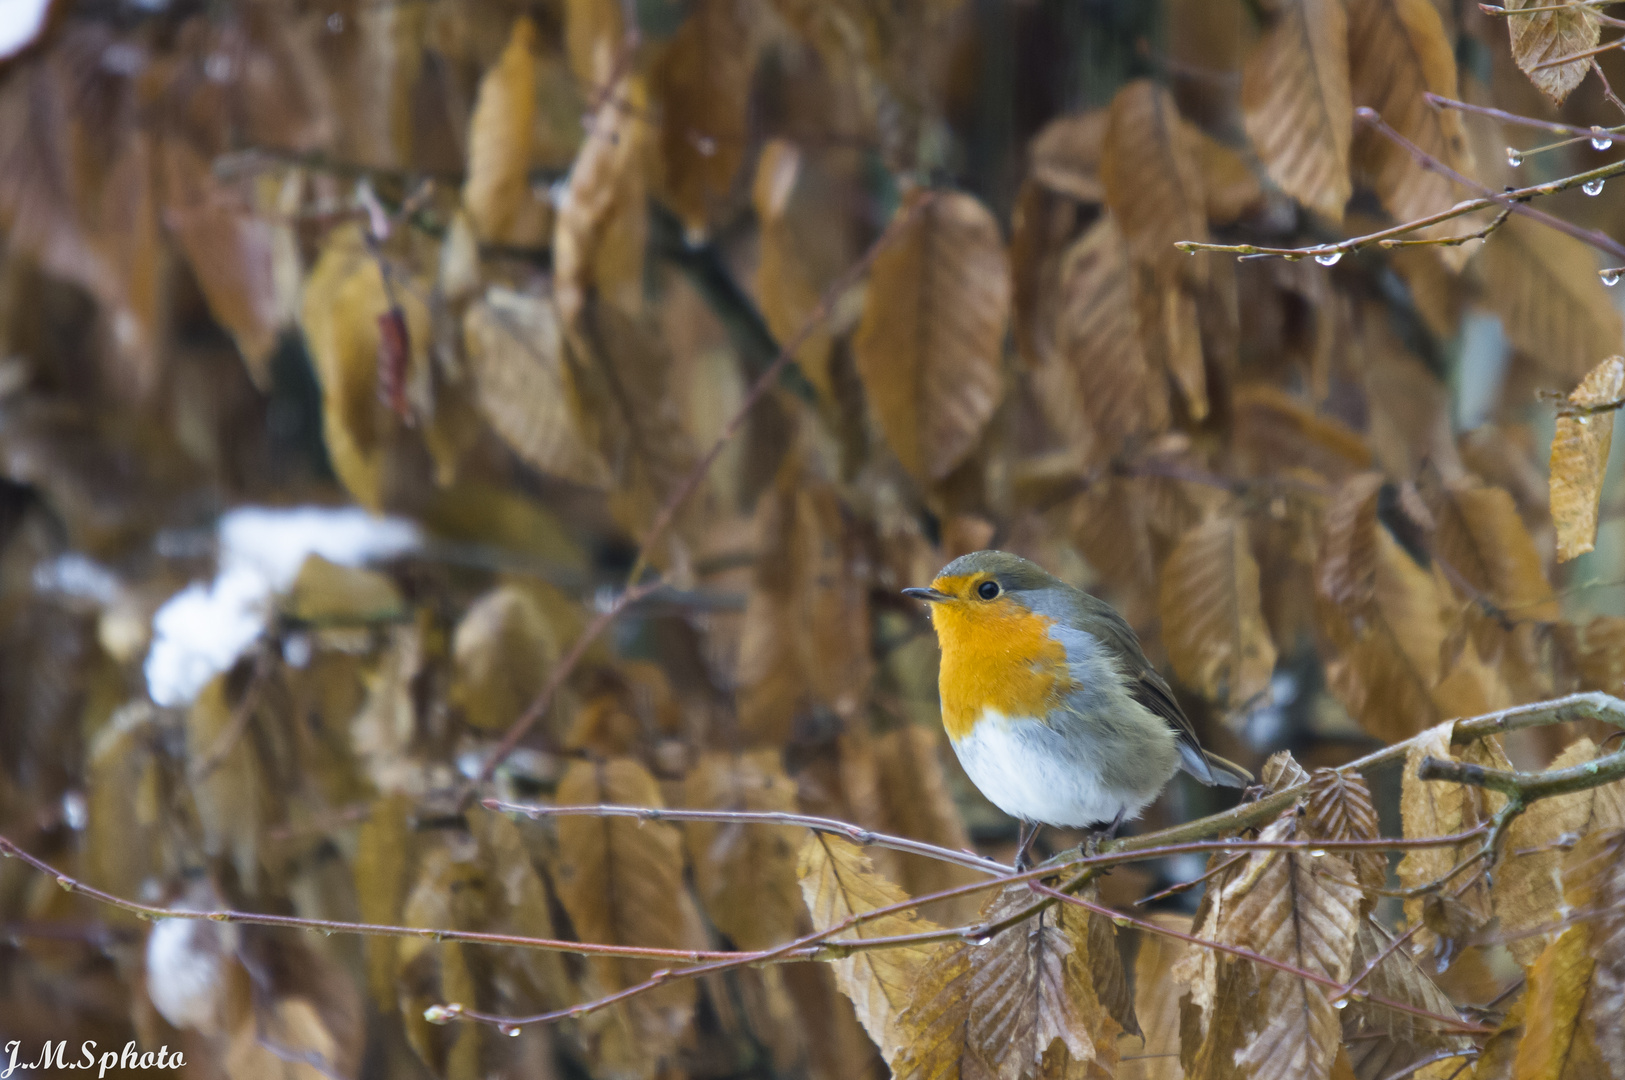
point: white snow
(204, 628)
(20, 23)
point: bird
(1050, 703)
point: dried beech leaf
(1339, 807)
(1544, 36)
(1156, 1003)
(1483, 538)
(621, 881)
(994, 1009)
(1594, 882)
(1296, 104)
(1276, 432)
(1580, 456)
(930, 344)
(594, 40)
(1212, 619)
(837, 882)
(1382, 1041)
(1299, 910)
(1528, 888)
(1153, 182)
(497, 191)
(380, 865)
(1065, 155)
(805, 640)
(1228, 180)
(914, 793)
(502, 652)
(344, 297)
(703, 83)
(1097, 387)
(745, 874)
(524, 385)
(232, 252)
(1544, 287)
(1555, 998)
(1398, 52)
(228, 779)
(602, 225)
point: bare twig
(855, 833)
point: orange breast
(996, 655)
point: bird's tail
(1226, 773)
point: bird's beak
(930, 596)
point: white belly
(1031, 772)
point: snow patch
(204, 628)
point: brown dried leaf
(1296, 104)
(502, 651)
(703, 83)
(383, 852)
(621, 881)
(1301, 911)
(1153, 182)
(805, 640)
(1382, 1041)
(837, 882)
(929, 346)
(994, 1009)
(1097, 387)
(1549, 35)
(1528, 887)
(745, 874)
(1339, 807)
(524, 384)
(496, 194)
(1232, 187)
(1065, 155)
(1544, 287)
(228, 777)
(602, 225)
(1399, 51)
(917, 803)
(1483, 538)
(1274, 432)
(1594, 882)
(231, 251)
(1212, 619)
(1580, 456)
(594, 42)
(1156, 1002)
(1553, 1037)
(344, 296)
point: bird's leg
(1025, 836)
(1117, 823)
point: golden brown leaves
(1098, 388)
(996, 1008)
(1544, 287)
(1580, 455)
(1482, 538)
(704, 87)
(1153, 183)
(525, 385)
(1295, 97)
(1543, 36)
(930, 344)
(1398, 52)
(837, 882)
(621, 880)
(1300, 910)
(497, 192)
(1212, 618)
(602, 224)
(745, 874)
(805, 638)
(1552, 1016)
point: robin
(1050, 703)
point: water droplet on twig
(1610, 277)
(1600, 139)
(1592, 187)
(1513, 157)
(1329, 258)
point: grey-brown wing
(1148, 687)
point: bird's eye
(987, 590)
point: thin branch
(1439, 101)
(854, 833)
(1583, 54)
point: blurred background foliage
(503, 271)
